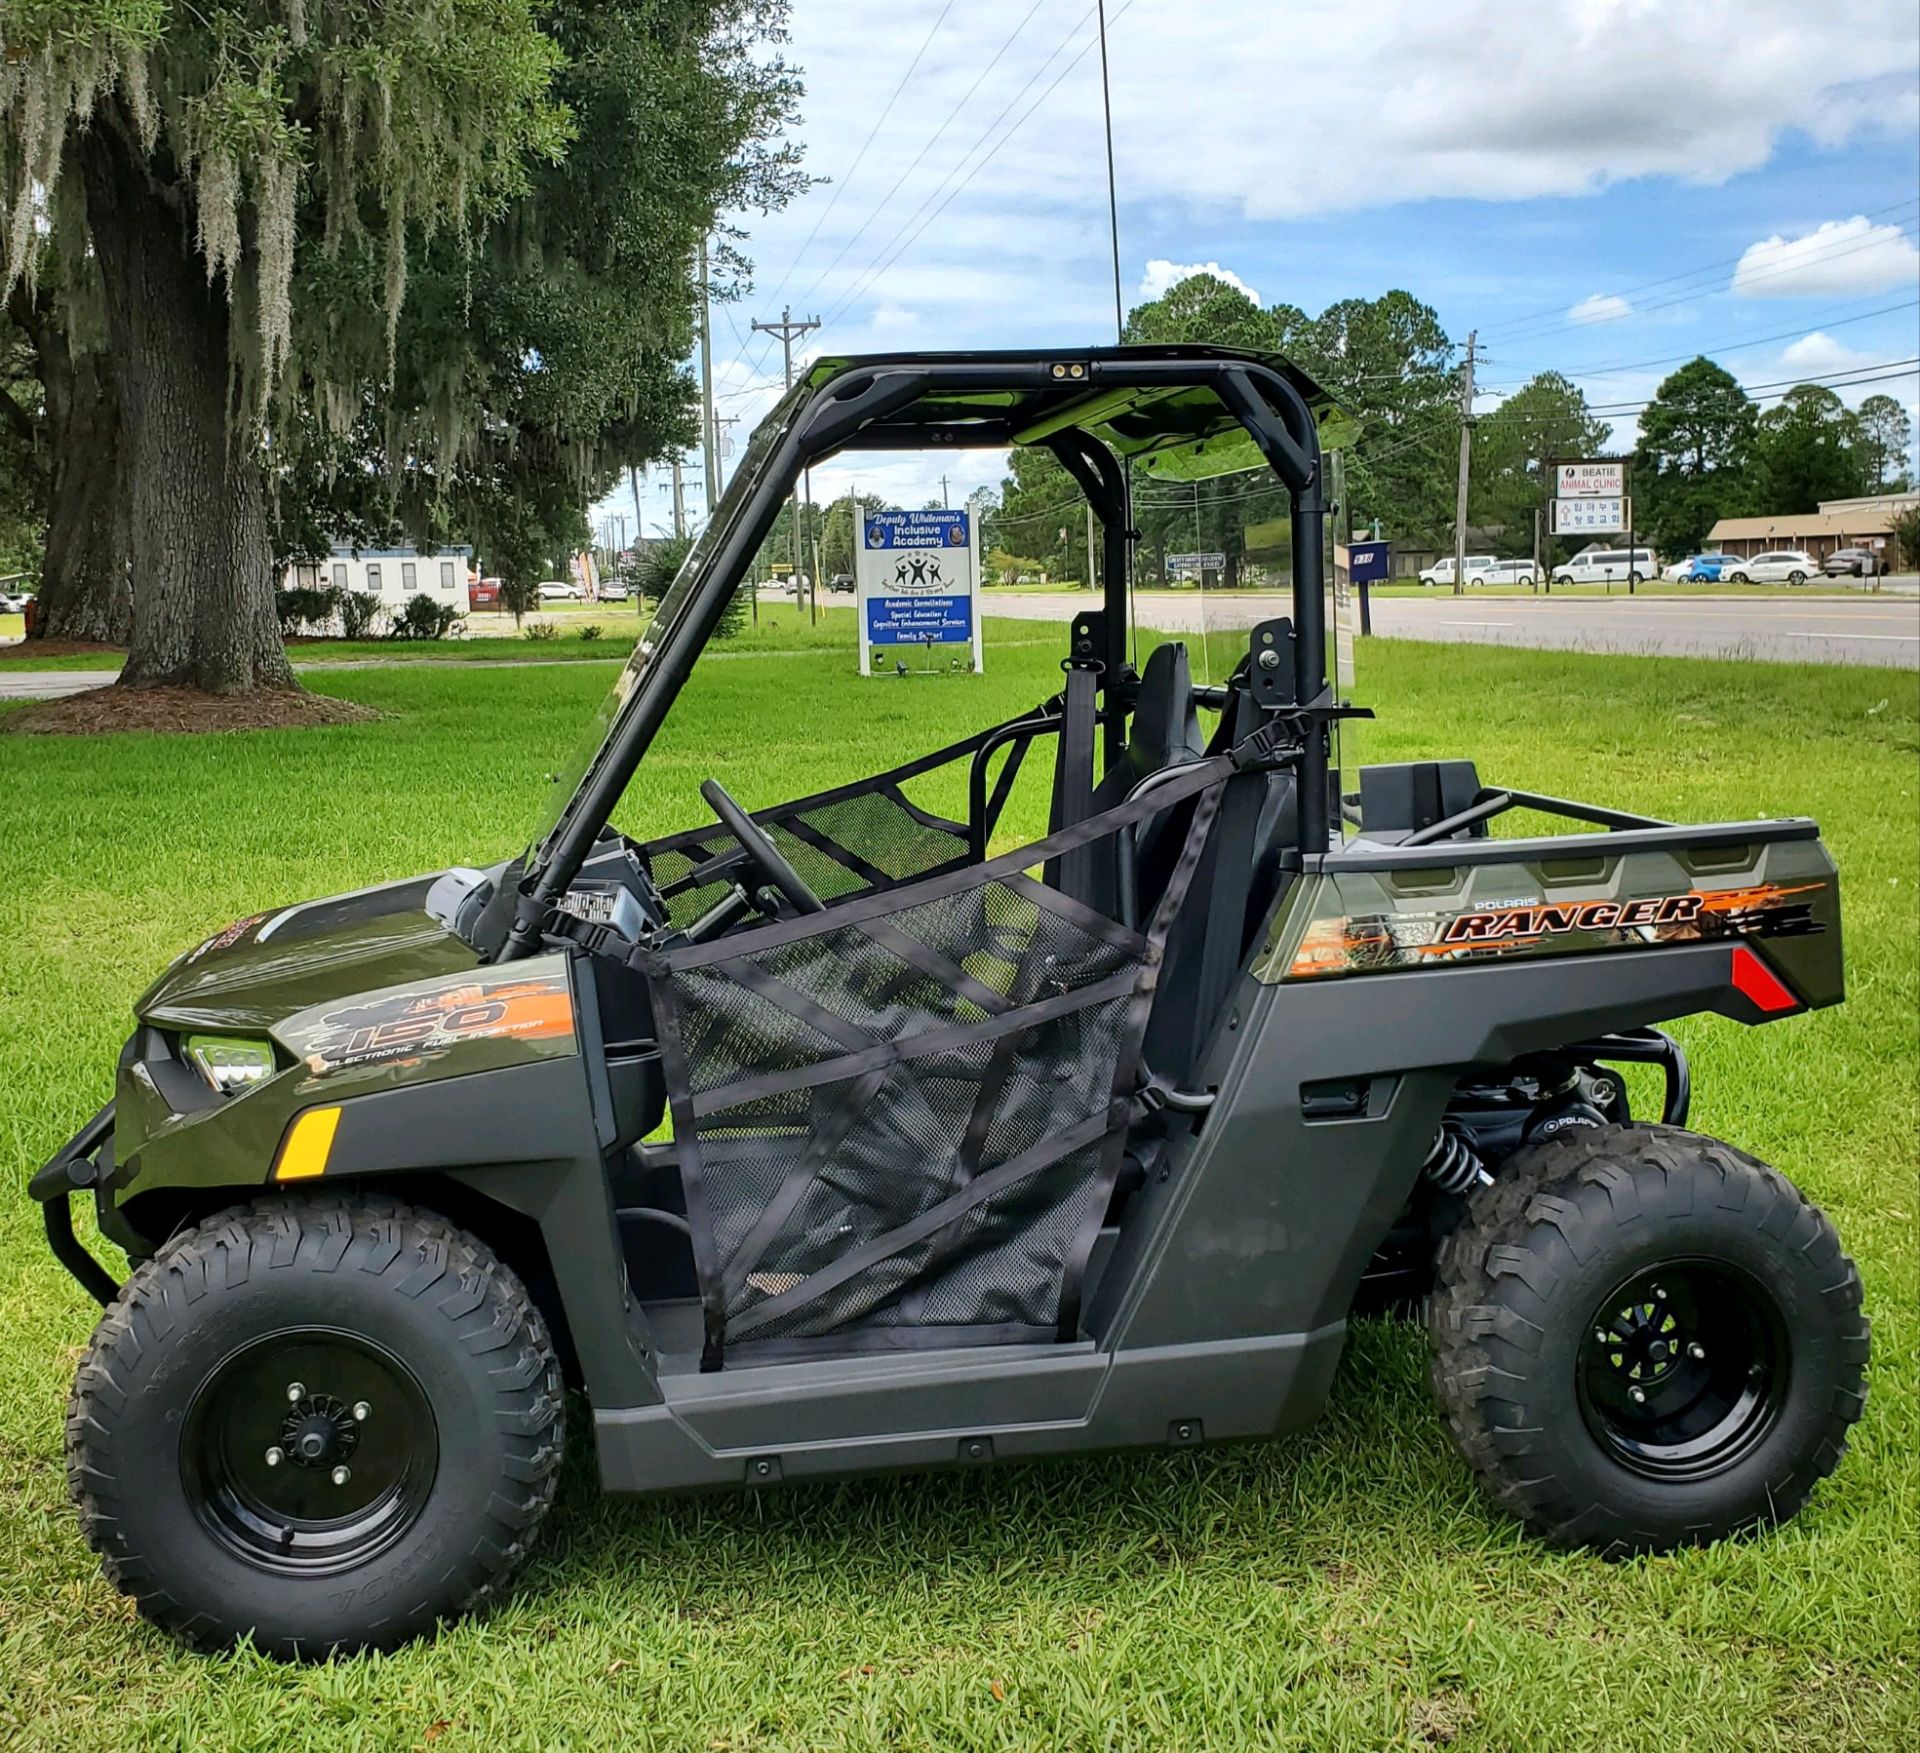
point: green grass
(1347, 1587)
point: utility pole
(679, 499)
(1466, 463)
(639, 523)
(709, 434)
(719, 461)
(1090, 584)
(787, 329)
(945, 503)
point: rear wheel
(1796, 577)
(329, 1423)
(1644, 1339)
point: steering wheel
(761, 852)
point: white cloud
(1162, 276)
(1600, 307)
(1840, 257)
(1820, 354)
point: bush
(358, 611)
(423, 618)
(540, 632)
(304, 609)
(590, 631)
(1906, 538)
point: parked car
(1607, 566)
(616, 590)
(840, 584)
(1475, 570)
(1697, 568)
(558, 590)
(1507, 572)
(1779, 566)
(1853, 563)
(14, 602)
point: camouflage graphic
(415, 1021)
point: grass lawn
(1347, 1587)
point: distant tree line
(1706, 451)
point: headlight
(231, 1064)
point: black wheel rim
(309, 1451)
(1683, 1369)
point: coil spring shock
(1453, 1165)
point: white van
(1608, 566)
(1476, 570)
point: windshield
(601, 733)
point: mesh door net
(908, 1112)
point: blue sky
(1593, 185)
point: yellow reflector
(309, 1139)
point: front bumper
(78, 1166)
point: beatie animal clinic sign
(916, 576)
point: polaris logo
(1505, 924)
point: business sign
(1197, 562)
(1589, 480)
(1589, 517)
(916, 576)
(1369, 562)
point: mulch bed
(180, 711)
(39, 648)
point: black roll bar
(857, 404)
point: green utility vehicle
(840, 1136)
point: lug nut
(296, 1390)
(341, 1475)
(275, 1456)
(1659, 1293)
(1601, 1334)
(1637, 1395)
(1696, 1351)
(361, 1412)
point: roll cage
(1177, 412)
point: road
(1877, 630)
(1882, 630)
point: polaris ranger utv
(840, 1136)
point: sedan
(1852, 563)
(1779, 566)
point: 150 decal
(406, 1025)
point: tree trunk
(83, 577)
(203, 597)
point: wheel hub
(1683, 1369)
(309, 1451)
(319, 1432)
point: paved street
(1882, 630)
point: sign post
(916, 577)
(1590, 499)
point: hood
(267, 966)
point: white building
(395, 575)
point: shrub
(423, 618)
(540, 631)
(358, 611)
(1906, 537)
(590, 631)
(304, 608)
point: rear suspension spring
(1453, 1165)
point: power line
(920, 157)
(1617, 366)
(1559, 313)
(859, 157)
(906, 241)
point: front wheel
(1796, 577)
(324, 1422)
(1738, 578)
(1644, 1339)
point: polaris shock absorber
(1452, 1164)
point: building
(1839, 523)
(395, 575)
